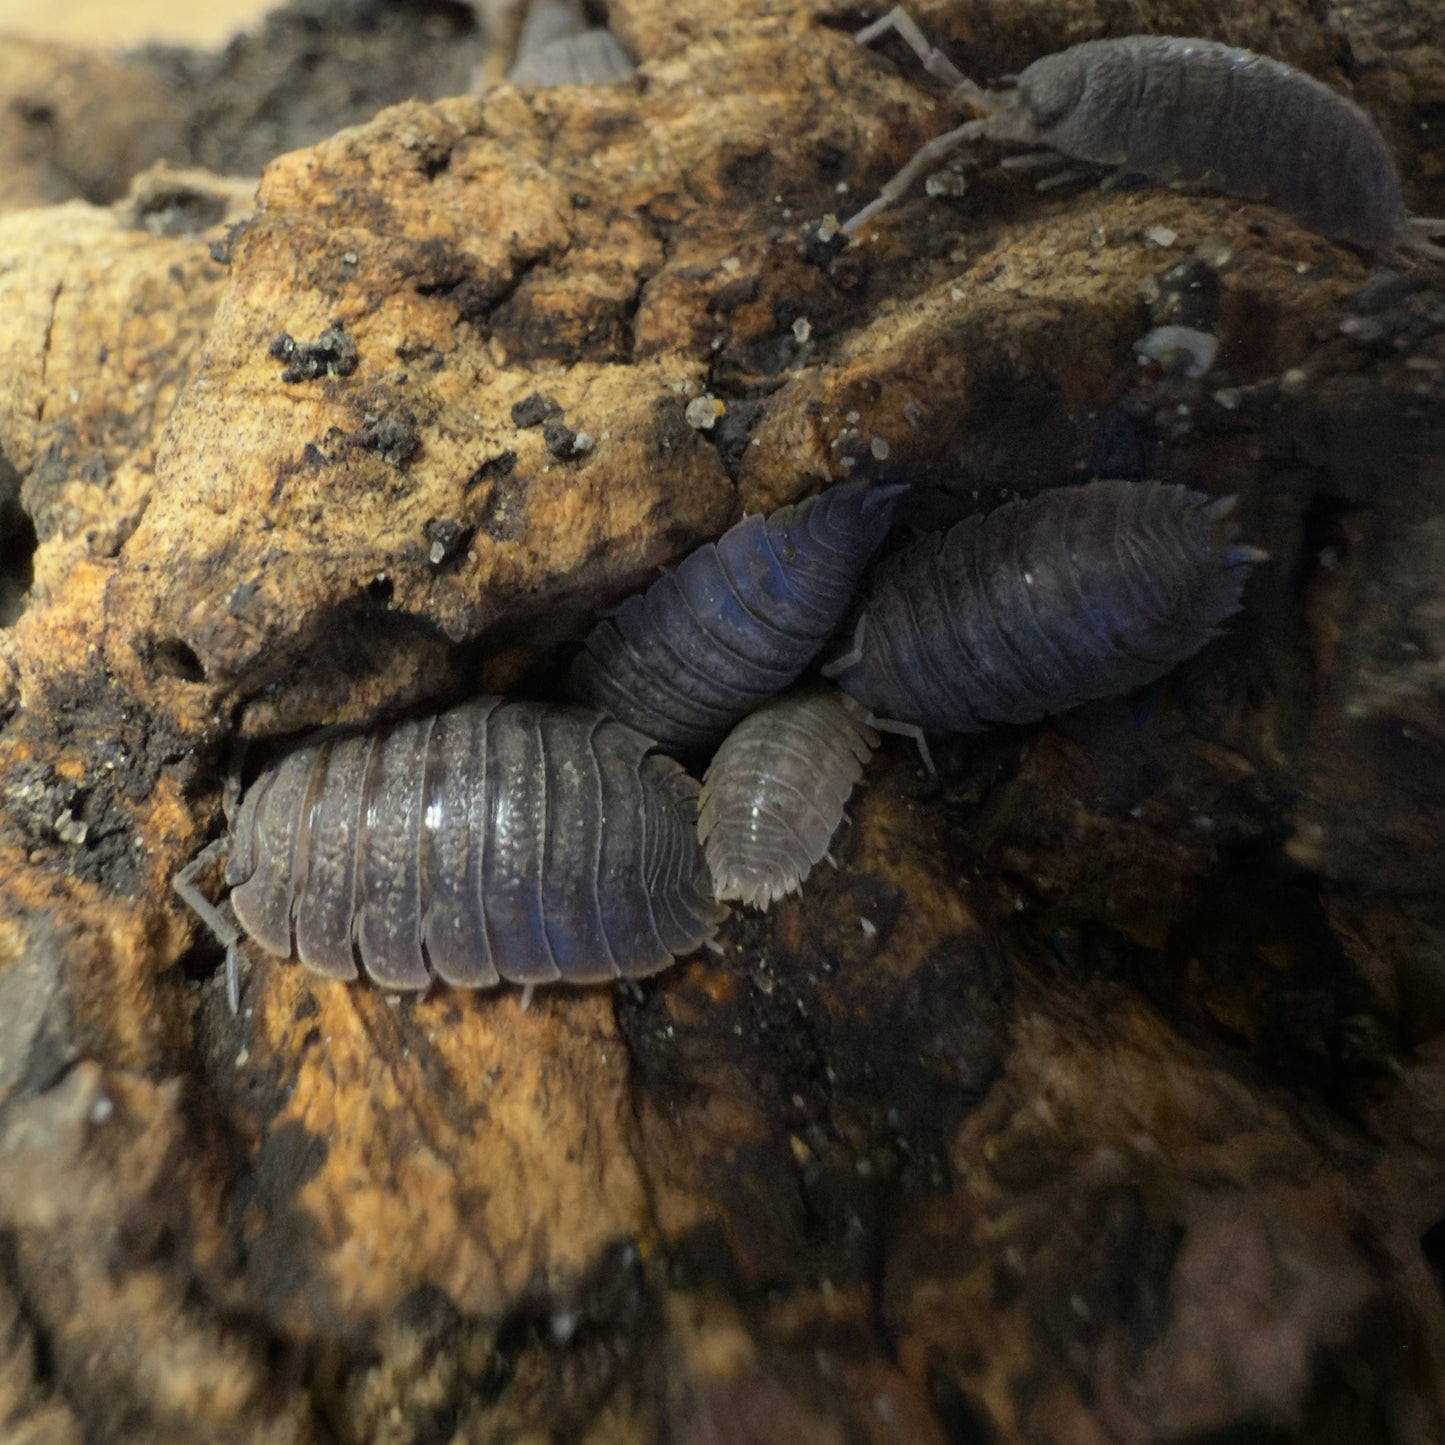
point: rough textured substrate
(1097, 1096)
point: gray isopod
(1079, 593)
(590, 57)
(774, 793)
(737, 621)
(496, 840)
(1183, 110)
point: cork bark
(1097, 1094)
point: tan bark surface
(1097, 1095)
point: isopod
(1079, 593)
(1175, 109)
(556, 45)
(736, 622)
(496, 840)
(774, 793)
(591, 57)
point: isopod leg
(1425, 235)
(226, 933)
(933, 60)
(906, 730)
(1072, 174)
(926, 158)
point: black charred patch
(550, 317)
(533, 410)
(493, 469)
(433, 157)
(282, 1253)
(1260, 965)
(610, 1321)
(1432, 1245)
(746, 173)
(289, 1160)
(172, 657)
(443, 275)
(733, 432)
(179, 209)
(394, 438)
(333, 353)
(42, 807)
(733, 294)
(1187, 295)
(17, 546)
(1122, 1248)
(502, 515)
(857, 1082)
(309, 69)
(222, 250)
(832, 163)
(953, 1011)
(84, 826)
(670, 432)
(561, 440)
(446, 540)
(821, 242)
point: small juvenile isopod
(1176, 109)
(497, 840)
(736, 622)
(1079, 593)
(774, 793)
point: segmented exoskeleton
(590, 57)
(1177, 109)
(736, 622)
(496, 840)
(774, 793)
(1080, 593)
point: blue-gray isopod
(736, 622)
(1079, 593)
(774, 792)
(1177, 109)
(496, 840)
